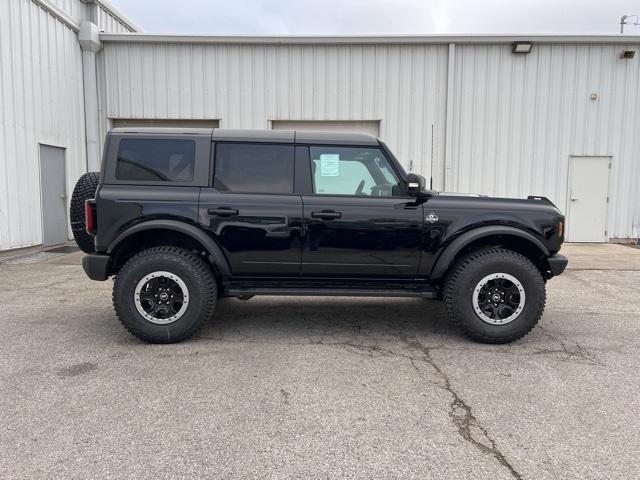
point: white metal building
(560, 121)
(42, 105)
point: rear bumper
(557, 264)
(95, 266)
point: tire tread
(460, 268)
(207, 280)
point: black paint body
(301, 236)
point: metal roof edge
(58, 13)
(117, 13)
(365, 39)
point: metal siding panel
(107, 22)
(519, 118)
(73, 8)
(515, 118)
(41, 84)
(247, 86)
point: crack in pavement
(460, 413)
(578, 353)
(469, 427)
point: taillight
(90, 216)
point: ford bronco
(181, 217)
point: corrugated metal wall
(518, 118)
(104, 17)
(108, 22)
(246, 86)
(42, 102)
(74, 8)
(515, 119)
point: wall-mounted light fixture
(521, 47)
(627, 54)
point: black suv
(181, 217)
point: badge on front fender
(431, 218)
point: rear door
(359, 222)
(252, 210)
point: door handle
(326, 215)
(573, 199)
(222, 212)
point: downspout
(448, 142)
(89, 38)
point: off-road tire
(463, 278)
(190, 268)
(85, 189)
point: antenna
(624, 20)
(431, 172)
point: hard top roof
(269, 136)
(290, 136)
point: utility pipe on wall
(89, 38)
(448, 142)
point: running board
(333, 292)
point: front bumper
(557, 264)
(95, 266)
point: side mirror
(415, 184)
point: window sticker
(330, 165)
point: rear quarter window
(155, 160)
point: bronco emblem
(432, 218)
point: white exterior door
(588, 199)
(53, 196)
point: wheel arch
(152, 233)
(511, 238)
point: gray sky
(379, 16)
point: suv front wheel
(164, 294)
(494, 295)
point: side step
(423, 292)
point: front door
(53, 196)
(588, 199)
(251, 209)
(358, 220)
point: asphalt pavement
(279, 387)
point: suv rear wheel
(494, 295)
(164, 294)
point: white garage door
(370, 127)
(164, 122)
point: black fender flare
(216, 254)
(450, 251)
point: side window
(353, 171)
(254, 168)
(155, 160)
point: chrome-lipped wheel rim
(498, 298)
(161, 297)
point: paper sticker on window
(329, 165)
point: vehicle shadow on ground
(325, 320)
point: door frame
(570, 160)
(66, 192)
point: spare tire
(85, 189)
